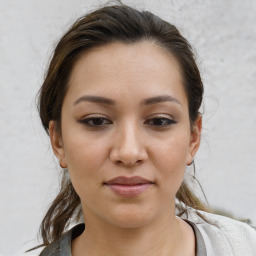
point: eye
(160, 122)
(95, 121)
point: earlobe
(195, 139)
(57, 143)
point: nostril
(129, 163)
(125, 157)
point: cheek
(84, 159)
(170, 161)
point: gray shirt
(62, 247)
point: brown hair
(116, 23)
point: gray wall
(223, 34)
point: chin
(126, 217)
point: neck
(163, 237)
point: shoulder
(49, 250)
(52, 249)
(223, 235)
(63, 245)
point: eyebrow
(95, 99)
(159, 99)
(107, 101)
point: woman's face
(125, 115)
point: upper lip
(122, 180)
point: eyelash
(86, 121)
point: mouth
(128, 186)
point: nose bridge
(128, 136)
(128, 146)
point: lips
(128, 181)
(128, 186)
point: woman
(121, 102)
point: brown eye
(160, 122)
(95, 121)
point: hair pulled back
(116, 23)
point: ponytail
(65, 206)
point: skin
(154, 141)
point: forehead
(118, 69)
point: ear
(57, 143)
(194, 139)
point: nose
(128, 149)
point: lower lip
(129, 190)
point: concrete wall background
(223, 34)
